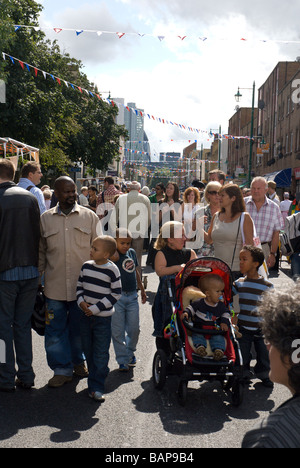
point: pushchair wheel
(159, 369)
(182, 392)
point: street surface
(134, 415)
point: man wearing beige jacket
(67, 231)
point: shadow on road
(207, 409)
(69, 412)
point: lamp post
(238, 96)
(219, 145)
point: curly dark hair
(280, 311)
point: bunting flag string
(181, 37)
(140, 162)
(205, 134)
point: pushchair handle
(202, 331)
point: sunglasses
(213, 192)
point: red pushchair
(180, 358)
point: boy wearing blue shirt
(125, 321)
(250, 289)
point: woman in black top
(171, 256)
(280, 312)
(170, 259)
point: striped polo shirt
(250, 293)
(100, 286)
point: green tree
(66, 125)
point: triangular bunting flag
(57, 30)
(120, 34)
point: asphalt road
(134, 415)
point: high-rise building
(134, 123)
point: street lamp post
(238, 96)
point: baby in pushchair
(209, 313)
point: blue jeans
(295, 265)
(62, 336)
(17, 300)
(216, 341)
(96, 338)
(126, 327)
(262, 367)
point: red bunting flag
(120, 34)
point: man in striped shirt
(98, 289)
(281, 327)
(250, 289)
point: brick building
(276, 146)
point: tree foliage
(64, 124)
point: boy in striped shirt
(250, 289)
(98, 289)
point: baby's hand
(224, 327)
(185, 315)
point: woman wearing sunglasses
(211, 196)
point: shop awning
(282, 178)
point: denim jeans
(295, 265)
(17, 300)
(262, 367)
(96, 338)
(62, 336)
(216, 341)
(126, 327)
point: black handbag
(38, 318)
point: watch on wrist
(273, 253)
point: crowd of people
(61, 242)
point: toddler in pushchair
(199, 340)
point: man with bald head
(67, 231)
